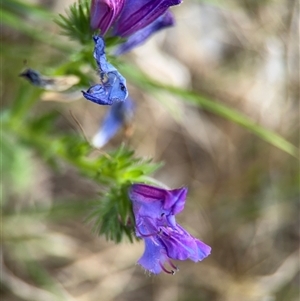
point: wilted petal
(104, 13)
(113, 85)
(33, 77)
(108, 93)
(142, 35)
(55, 83)
(137, 14)
(98, 95)
(118, 114)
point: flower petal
(155, 202)
(104, 12)
(154, 211)
(97, 94)
(154, 256)
(118, 114)
(180, 245)
(143, 34)
(203, 249)
(137, 14)
(114, 90)
(113, 84)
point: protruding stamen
(165, 270)
(172, 265)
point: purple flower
(104, 13)
(154, 210)
(131, 17)
(118, 115)
(166, 20)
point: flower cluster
(135, 20)
(154, 210)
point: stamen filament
(172, 265)
(165, 270)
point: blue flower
(112, 87)
(125, 18)
(118, 115)
(154, 210)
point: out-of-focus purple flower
(164, 21)
(118, 115)
(104, 13)
(154, 210)
(137, 14)
(128, 17)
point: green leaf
(76, 25)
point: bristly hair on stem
(112, 215)
(76, 24)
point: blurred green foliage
(27, 132)
(117, 169)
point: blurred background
(243, 196)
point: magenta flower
(154, 210)
(125, 18)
